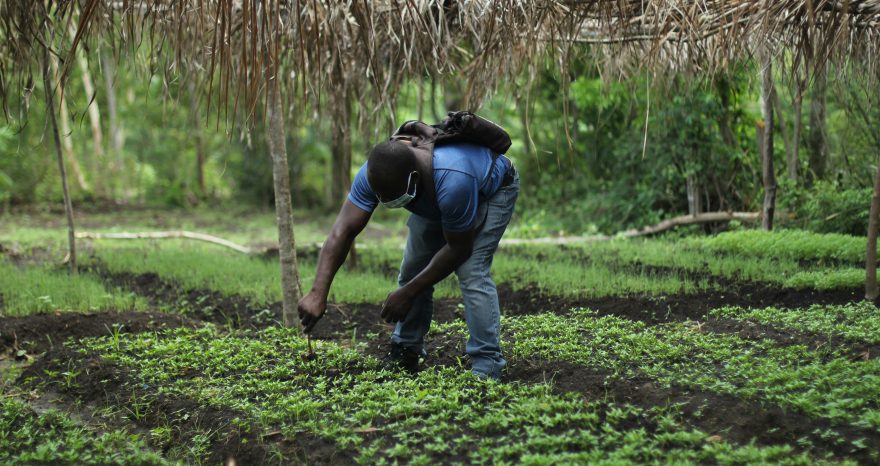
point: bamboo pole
(68, 206)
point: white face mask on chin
(405, 199)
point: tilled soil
(357, 321)
(731, 418)
(41, 332)
(231, 440)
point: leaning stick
(167, 234)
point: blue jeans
(481, 308)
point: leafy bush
(828, 207)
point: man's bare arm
(458, 248)
(350, 221)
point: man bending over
(461, 199)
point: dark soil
(732, 418)
(695, 307)
(100, 383)
(678, 307)
(207, 305)
(41, 332)
(359, 321)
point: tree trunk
(66, 141)
(290, 283)
(794, 155)
(765, 143)
(420, 113)
(95, 121)
(790, 146)
(524, 122)
(818, 138)
(68, 206)
(198, 138)
(434, 100)
(871, 290)
(727, 135)
(116, 135)
(693, 195)
(341, 149)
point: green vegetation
(560, 275)
(194, 266)
(28, 438)
(857, 322)
(384, 417)
(35, 289)
(728, 255)
(823, 383)
(240, 224)
(446, 415)
(787, 244)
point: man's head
(393, 173)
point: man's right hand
(311, 308)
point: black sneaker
(401, 358)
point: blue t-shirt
(461, 176)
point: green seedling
(310, 355)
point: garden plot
(642, 351)
(280, 405)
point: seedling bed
(215, 434)
(230, 433)
(41, 332)
(735, 419)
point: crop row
(823, 384)
(693, 257)
(856, 322)
(51, 437)
(443, 414)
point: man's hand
(311, 308)
(397, 305)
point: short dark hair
(388, 166)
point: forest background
(595, 156)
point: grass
(385, 418)
(28, 438)
(37, 289)
(240, 224)
(561, 276)
(704, 256)
(789, 244)
(195, 266)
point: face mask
(405, 199)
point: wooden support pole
(290, 284)
(765, 141)
(68, 206)
(871, 289)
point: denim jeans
(481, 308)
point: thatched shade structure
(283, 54)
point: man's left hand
(397, 305)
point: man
(461, 198)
